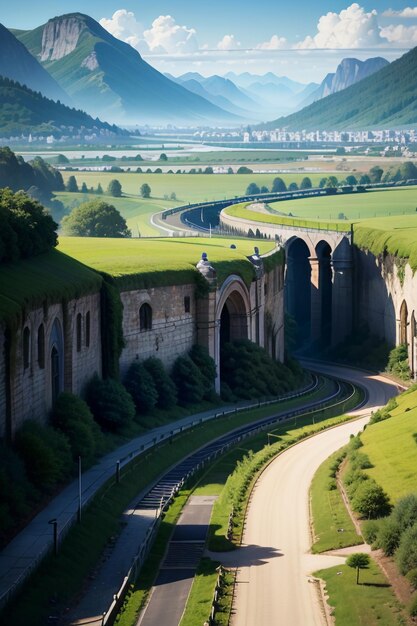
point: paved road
(273, 586)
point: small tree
(278, 185)
(173, 196)
(165, 387)
(114, 189)
(189, 381)
(252, 189)
(145, 191)
(99, 190)
(141, 387)
(370, 500)
(95, 219)
(163, 157)
(306, 183)
(358, 561)
(72, 184)
(84, 188)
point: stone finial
(205, 268)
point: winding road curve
(273, 585)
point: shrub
(250, 372)
(72, 416)
(359, 460)
(398, 362)
(207, 367)
(110, 403)
(389, 536)
(165, 388)
(188, 380)
(16, 492)
(353, 478)
(405, 511)
(370, 500)
(407, 550)
(141, 387)
(413, 607)
(46, 454)
(412, 577)
(370, 530)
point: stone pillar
(315, 299)
(207, 326)
(342, 301)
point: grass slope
(156, 262)
(395, 235)
(387, 99)
(49, 277)
(392, 449)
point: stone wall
(173, 327)
(274, 312)
(43, 330)
(386, 299)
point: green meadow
(373, 203)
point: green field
(371, 603)
(163, 257)
(392, 449)
(373, 203)
(137, 211)
(187, 187)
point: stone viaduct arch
(319, 285)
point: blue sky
(303, 40)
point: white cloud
(229, 42)
(166, 36)
(275, 43)
(408, 12)
(401, 35)
(124, 26)
(351, 28)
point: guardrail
(250, 430)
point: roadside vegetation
(379, 475)
(231, 478)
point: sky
(302, 40)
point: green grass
(371, 603)
(49, 277)
(329, 512)
(137, 211)
(395, 235)
(244, 212)
(163, 261)
(392, 449)
(374, 203)
(201, 596)
(188, 187)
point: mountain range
(73, 59)
(109, 78)
(348, 72)
(386, 99)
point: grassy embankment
(244, 212)
(158, 262)
(61, 578)
(220, 480)
(49, 277)
(391, 448)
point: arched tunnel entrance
(298, 289)
(233, 319)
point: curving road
(273, 586)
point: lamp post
(54, 523)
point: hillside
(387, 99)
(17, 63)
(348, 72)
(23, 111)
(109, 78)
